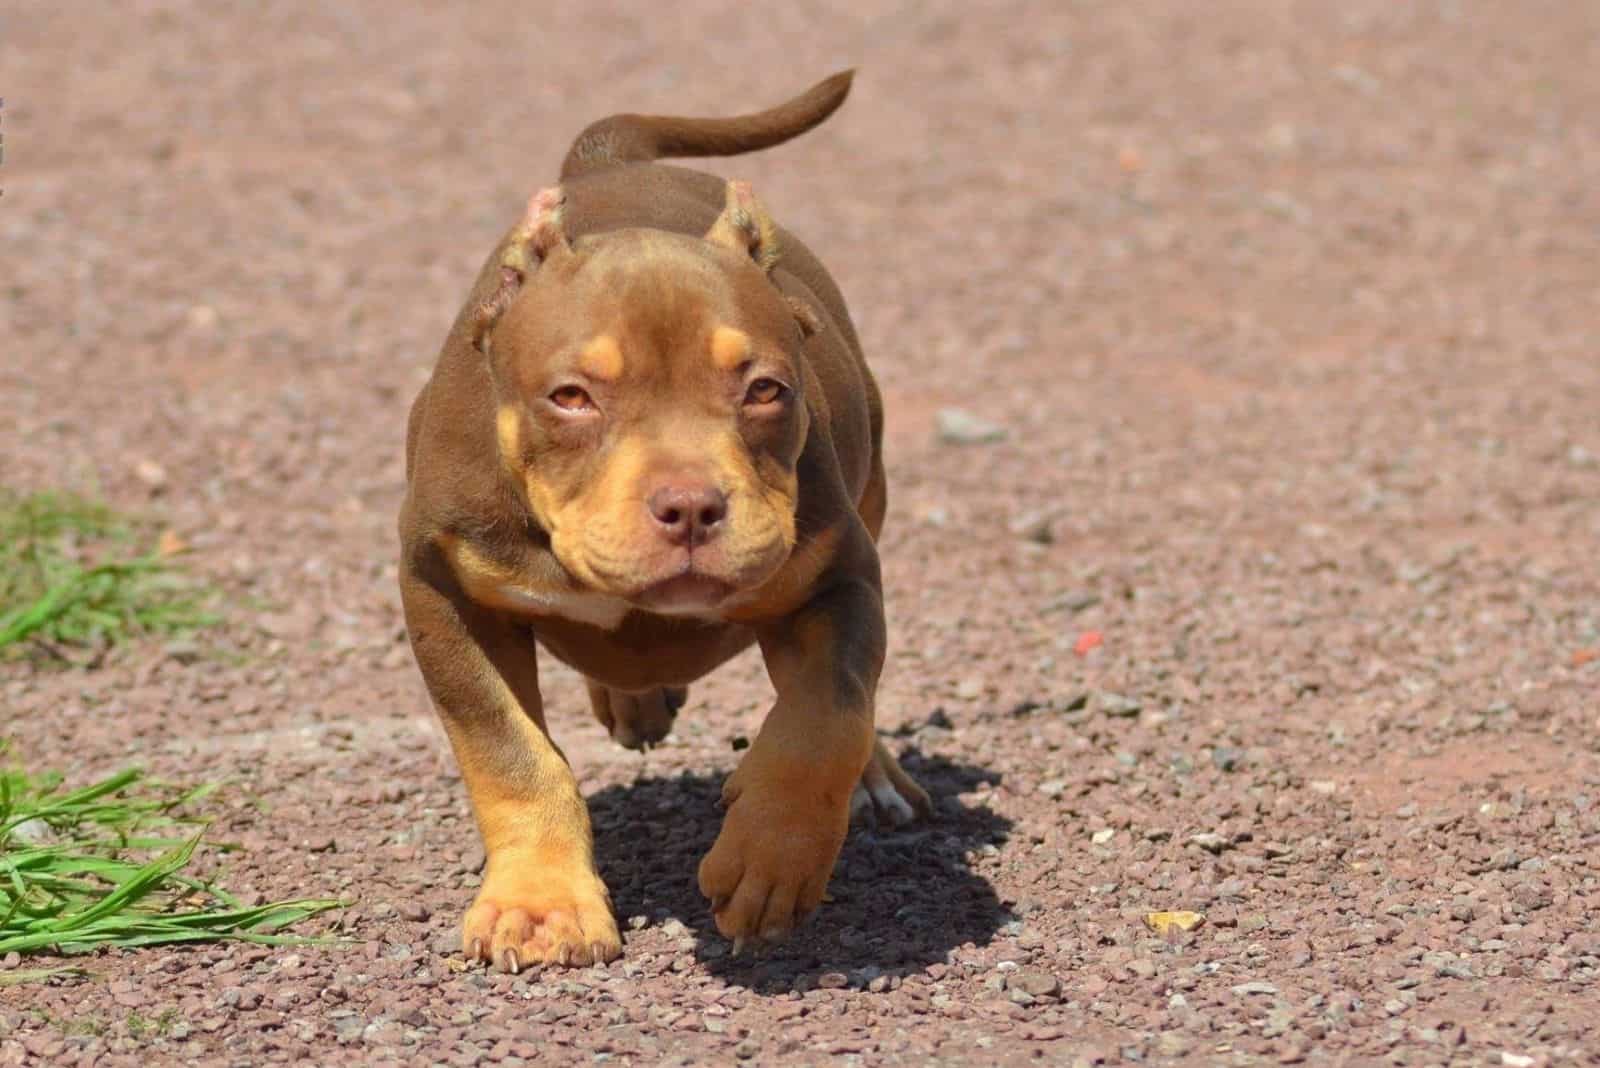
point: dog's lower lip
(687, 588)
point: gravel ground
(1283, 320)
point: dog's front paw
(525, 915)
(770, 865)
(888, 793)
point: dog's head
(651, 401)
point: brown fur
(600, 375)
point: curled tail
(641, 138)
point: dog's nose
(688, 513)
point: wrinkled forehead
(652, 293)
(636, 299)
(635, 256)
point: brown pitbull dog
(651, 440)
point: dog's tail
(641, 138)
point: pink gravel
(1284, 317)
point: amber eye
(571, 399)
(765, 391)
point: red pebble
(1089, 639)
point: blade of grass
(77, 799)
(35, 975)
(80, 887)
(57, 587)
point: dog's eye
(765, 391)
(571, 399)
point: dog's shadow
(899, 900)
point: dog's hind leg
(886, 791)
(637, 720)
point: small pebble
(960, 427)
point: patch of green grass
(104, 866)
(74, 1026)
(140, 1026)
(73, 576)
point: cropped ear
(538, 238)
(744, 226)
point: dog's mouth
(681, 585)
(689, 592)
(701, 581)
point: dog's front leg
(541, 898)
(788, 801)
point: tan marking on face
(602, 359)
(495, 586)
(730, 347)
(508, 432)
(776, 501)
(597, 534)
(604, 537)
(761, 525)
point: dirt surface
(1288, 314)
